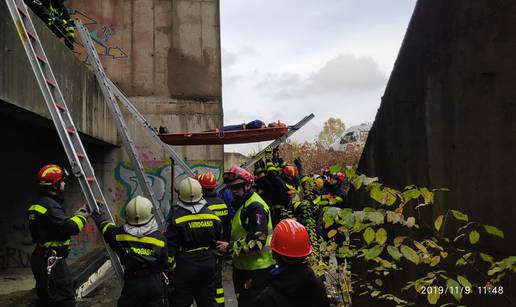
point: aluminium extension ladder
(291, 130)
(68, 134)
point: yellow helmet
(319, 183)
(190, 190)
(138, 211)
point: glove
(83, 211)
(99, 216)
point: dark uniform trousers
(249, 284)
(56, 288)
(143, 290)
(220, 208)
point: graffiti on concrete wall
(17, 247)
(101, 38)
(127, 185)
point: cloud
(344, 74)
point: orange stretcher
(217, 137)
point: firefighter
(220, 208)
(292, 282)
(191, 235)
(142, 250)
(251, 231)
(51, 229)
(277, 187)
(60, 19)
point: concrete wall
(233, 158)
(447, 118)
(18, 86)
(165, 56)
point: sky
(285, 59)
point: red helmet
(290, 171)
(340, 176)
(51, 174)
(237, 175)
(207, 180)
(290, 239)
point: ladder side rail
(127, 141)
(293, 129)
(150, 129)
(35, 52)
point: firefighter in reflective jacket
(220, 208)
(142, 250)
(191, 235)
(51, 229)
(251, 232)
(60, 19)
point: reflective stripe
(202, 248)
(217, 206)
(219, 300)
(106, 227)
(38, 208)
(220, 291)
(77, 220)
(148, 240)
(170, 259)
(304, 179)
(192, 217)
(54, 243)
(50, 169)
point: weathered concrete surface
(447, 117)
(233, 158)
(18, 85)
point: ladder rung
(81, 154)
(21, 11)
(70, 130)
(31, 35)
(60, 106)
(41, 59)
(89, 179)
(50, 82)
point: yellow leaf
(332, 233)
(421, 247)
(438, 222)
(381, 236)
(435, 261)
(369, 235)
(411, 221)
(474, 236)
(433, 295)
(410, 254)
(444, 254)
(399, 240)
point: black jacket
(139, 247)
(192, 228)
(293, 285)
(220, 208)
(50, 226)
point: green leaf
(393, 217)
(435, 261)
(438, 222)
(369, 235)
(460, 216)
(427, 195)
(349, 220)
(410, 194)
(410, 254)
(379, 282)
(486, 258)
(377, 194)
(358, 181)
(492, 230)
(420, 246)
(433, 296)
(464, 282)
(335, 168)
(350, 172)
(474, 236)
(373, 252)
(375, 217)
(381, 236)
(454, 289)
(394, 252)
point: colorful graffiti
(160, 177)
(100, 38)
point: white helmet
(190, 190)
(138, 211)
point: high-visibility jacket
(221, 209)
(139, 248)
(49, 225)
(254, 258)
